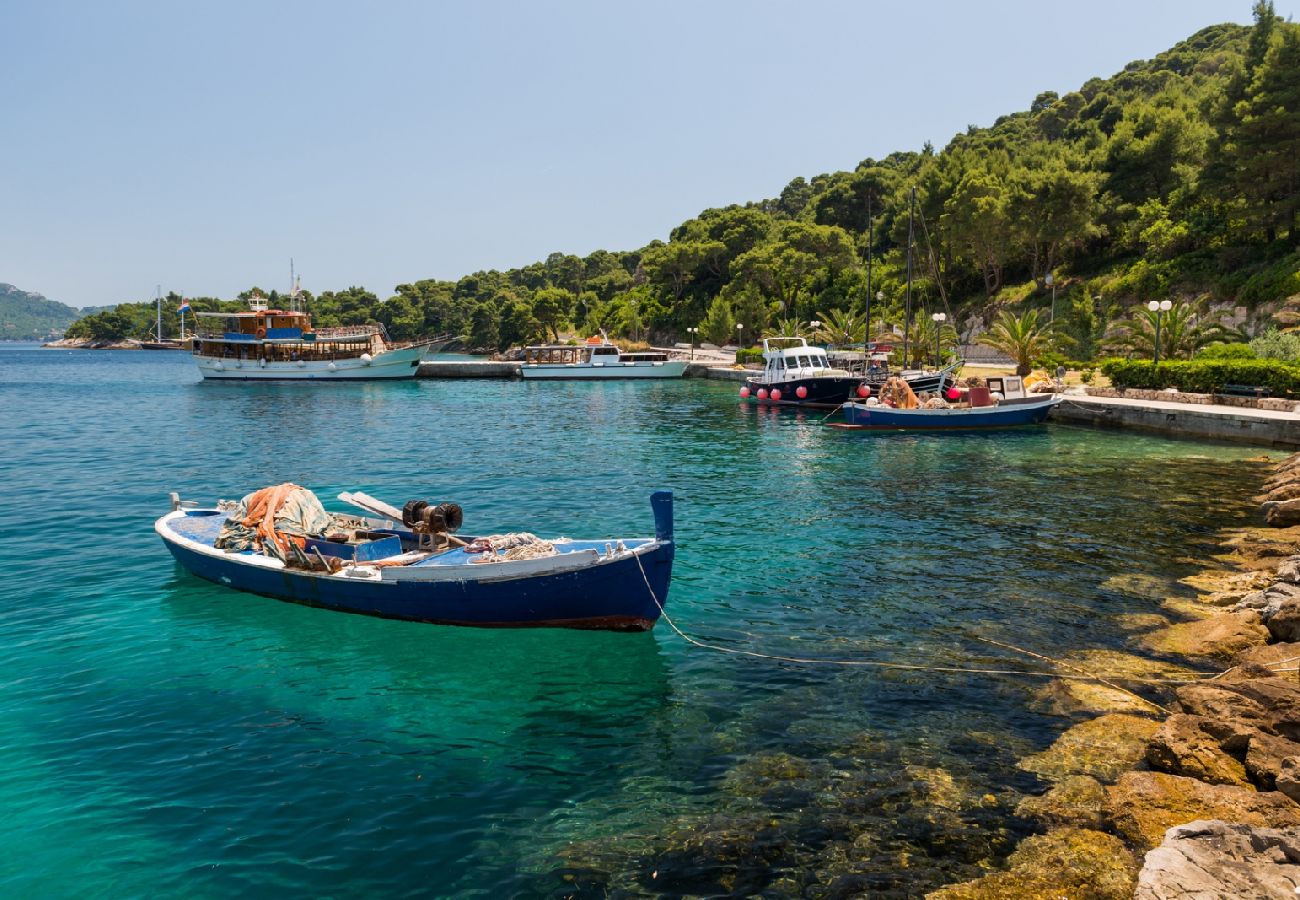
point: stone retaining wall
(1276, 404)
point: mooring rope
(919, 667)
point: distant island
(1173, 179)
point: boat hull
(583, 588)
(392, 364)
(673, 368)
(1009, 414)
(824, 392)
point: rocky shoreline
(82, 344)
(1189, 785)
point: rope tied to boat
(1076, 673)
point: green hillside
(26, 316)
(1173, 179)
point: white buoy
(333, 367)
(366, 358)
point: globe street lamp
(740, 328)
(692, 332)
(880, 301)
(939, 319)
(814, 325)
(1051, 283)
(1158, 307)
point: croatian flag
(185, 305)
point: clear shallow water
(161, 735)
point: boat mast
(911, 239)
(866, 331)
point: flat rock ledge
(1206, 859)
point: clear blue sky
(200, 146)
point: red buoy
(762, 393)
(801, 392)
(953, 393)
(744, 392)
(864, 391)
(776, 393)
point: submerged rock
(1066, 862)
(1270, 656)
(1216, 859)
(1077, 800)
(1215, 639)
(1144, 805)
(1140, 585)
(1102, 747)
(1219, 587)
(1069, 697)
(1190, 609)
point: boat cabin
(787, 359)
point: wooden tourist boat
(276, 345)
(597, 359)
(1004, 404)
(408, 564)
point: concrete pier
(1263, 427)
(468, 368)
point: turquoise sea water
(163, 736)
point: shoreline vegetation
(1187, 778)
(1172, 179)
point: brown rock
(1284, 625)
(1280, 698)
(1281, 513)
(1206, 859)
(1216, 639)
(1264, 757)
(1288, 778)
(1269, 655)
(1144, 805)
(1182, 747)
(1287, 490)
(1236, 714)
(1066, 862)
(1102, 747)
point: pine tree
(1268, 139)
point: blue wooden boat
(390, 571)
(1010, 413)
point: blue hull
(621, 594)
(1010, 414)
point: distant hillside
(25, 316)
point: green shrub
(1226, 351)
(1274, 344)
(749, 355)
(1273, 282)
(1205, 376)
(1087, 375)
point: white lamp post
(692, 332)
(814, 325)
(880, 301)
(740, 328)
(939, 319)
(1051, 283)
(1159, 307)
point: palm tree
(1181, 332)
(788, 327)
(839, 327)
(1020, 337)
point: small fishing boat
(797, 374)
(1006, 405)
(409, 564)
(597, 358)
(266, 344)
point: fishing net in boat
(898, 394)
(510, 547)
(275, 519)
